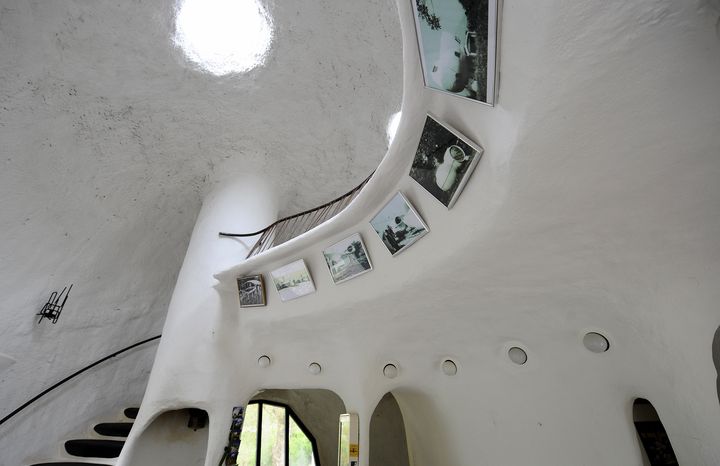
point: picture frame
(398, 224)
(347, 259)
(457, 41)
(293, 280)
(444, 161)
(251, 291)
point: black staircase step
(65, 463)
(91, 448)
(114, 429)
(131, 413)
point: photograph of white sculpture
(444, 161)
(398, 225)
(293, 280)
(457, 41)
(347, 259)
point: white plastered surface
(593, 209)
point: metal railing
(73, 375)
(288, 228)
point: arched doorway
(295, 427)
(388, 443)
(657, 450)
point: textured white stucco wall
(110, 141)
(593, 209)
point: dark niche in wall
(652, 434)
(716, 359)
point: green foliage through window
(280, 436)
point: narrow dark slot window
(652, 434)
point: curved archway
(388, 442)
(657, 450)
(315, 412)
(178, 437)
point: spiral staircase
(101, 448)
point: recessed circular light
(390, 371)
(449, 367)
(596, 342)
(517, 355)
(314, 368)
(264, 361)
(223, 36)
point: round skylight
(223, 36)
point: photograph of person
(398, 225)
(444, 161)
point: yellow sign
(354, 450)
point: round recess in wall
(314, 368)
(517, 355)
(264, 361)
(390, 371)
(449, 367)
(596, 342)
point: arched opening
(657, 450)
(388, 443)
(289, 427)
(178, 437)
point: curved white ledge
(384, 181)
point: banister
(75, 374)
(276, 233)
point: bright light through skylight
(223, 36)
(393, 126)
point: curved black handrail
(287, 228)
(75, 374)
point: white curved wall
(110, 142)
(181, 446)
(593, 209)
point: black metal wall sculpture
(53, 308)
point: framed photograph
(444, 161)
(347, 259)
(251, 290)
(293, 280)
(458, 41)
(398, 225)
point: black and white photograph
(398, 225)
(293, 280)
(457, 41)
(347, 259)
(252, 291)
(444, 161)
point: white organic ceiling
(111, 137)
